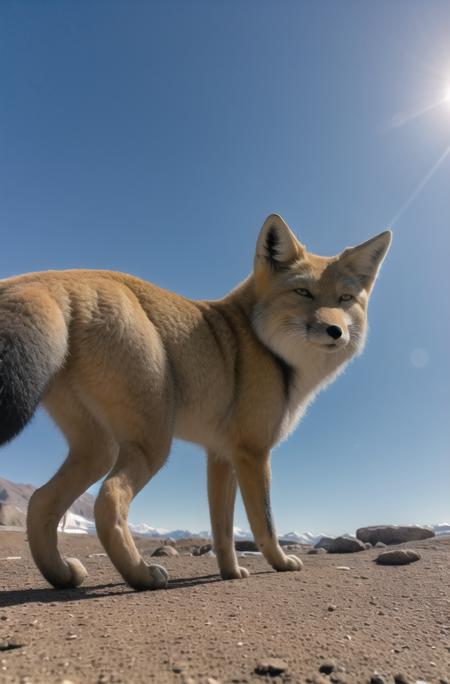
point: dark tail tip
(21, 385)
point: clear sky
(154, 138)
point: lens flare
(428, 176)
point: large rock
(201, 550)
(11, 515)
(324, 543)
(393, 534)
(346, 544)
(169, 541)
(398, 557)
(165, 551)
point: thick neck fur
(313, 368)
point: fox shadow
(17, 597)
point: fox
(123, 366)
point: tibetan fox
(123, 366)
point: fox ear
(365, 259)
(277, 247)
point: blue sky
(155, 137)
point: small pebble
(327, 667)
(9, 645)
(376, 679)
(271, 667)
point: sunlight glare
(420, 186)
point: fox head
(309, 303)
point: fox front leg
(221, 495)
(253, 475)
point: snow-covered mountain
(78, 519)
(241, 534)
(148, 531)
(302, 538)
(76, 524)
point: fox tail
(33, 347)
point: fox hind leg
(92, 452)
(221, 495)
(136, 392)
(137, 463)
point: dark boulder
(393, 534)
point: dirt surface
(366, 619)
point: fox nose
(334, 331)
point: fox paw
(237, 573)
(79, 572)
(290, 563)
(149, 577)
(72, 574)
(159, 576)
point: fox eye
(345, 297)
(304, 292)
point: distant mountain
(302, 538)
(17, 496)
(76, 523)
(149, 531)
(80, 519)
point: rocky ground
(342, 619)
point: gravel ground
(357, 621)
